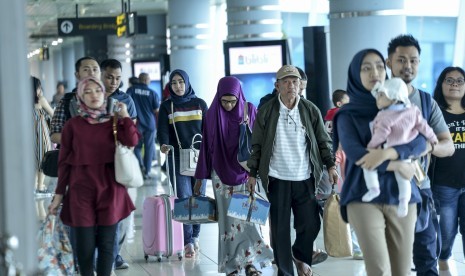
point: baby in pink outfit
(398, 122)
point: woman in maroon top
(93, 202)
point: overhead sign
(126, 24)
(86, 26)
(66, 26)
(121, 25)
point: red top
(86, 173)
(330, 114)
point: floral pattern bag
(55, 253)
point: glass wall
(433, 23)
(437, 38)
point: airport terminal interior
(208, 39)
(206, 262)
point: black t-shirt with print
(449, 171)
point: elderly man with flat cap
(289, 148)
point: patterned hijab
(91, 115)
(223, 134)
(362, 103)
(188, 95)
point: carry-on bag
(161, 235)
(336, 233)
(249, 208)
(195, 210)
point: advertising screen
(255, 64)
(254, 60)
(153, 69)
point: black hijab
(362, 103)
(188, 95)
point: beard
(406, 75)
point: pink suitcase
(161, 235)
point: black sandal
(251, 270)
(234, 273)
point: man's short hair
(111, 63)
(133, 80)
(77, 65)
(143, 77)
(302, 73)
(403, 40)
(338, 95)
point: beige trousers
(385, 239)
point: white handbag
(189, 157)
(127, 171)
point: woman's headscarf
(223, 134)
(188, 95)
(362, 103)
(91, 115)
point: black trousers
(298, 196)
(89, 238)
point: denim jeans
(451, 202)
(148, 140)
(355, 245)
(425, 245)
(119, 239)
(184, 189)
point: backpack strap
(425, 104)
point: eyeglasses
(452, 81)
(226, 102)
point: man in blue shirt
(147, 105)
(111, 77)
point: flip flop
(319, 256)
(303, 269)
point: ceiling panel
(42, 14)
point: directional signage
(86, 26)
(121, 25)
(66, 27)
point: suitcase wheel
(146, 258)
(179, 256)
(159, 259)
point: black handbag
(245, 140)
(49, 163)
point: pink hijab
(93, 116)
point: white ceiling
(42, 14)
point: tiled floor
(205, 263)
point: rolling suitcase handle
(166, 199)
(172, 187)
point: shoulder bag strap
(174, 125)
(115, 129)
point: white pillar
(189, 23)
(57, 59)
(17, 211)
(69, 60)
(79, 48)
(254, 20)
(359, 24)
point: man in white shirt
(289, 148)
